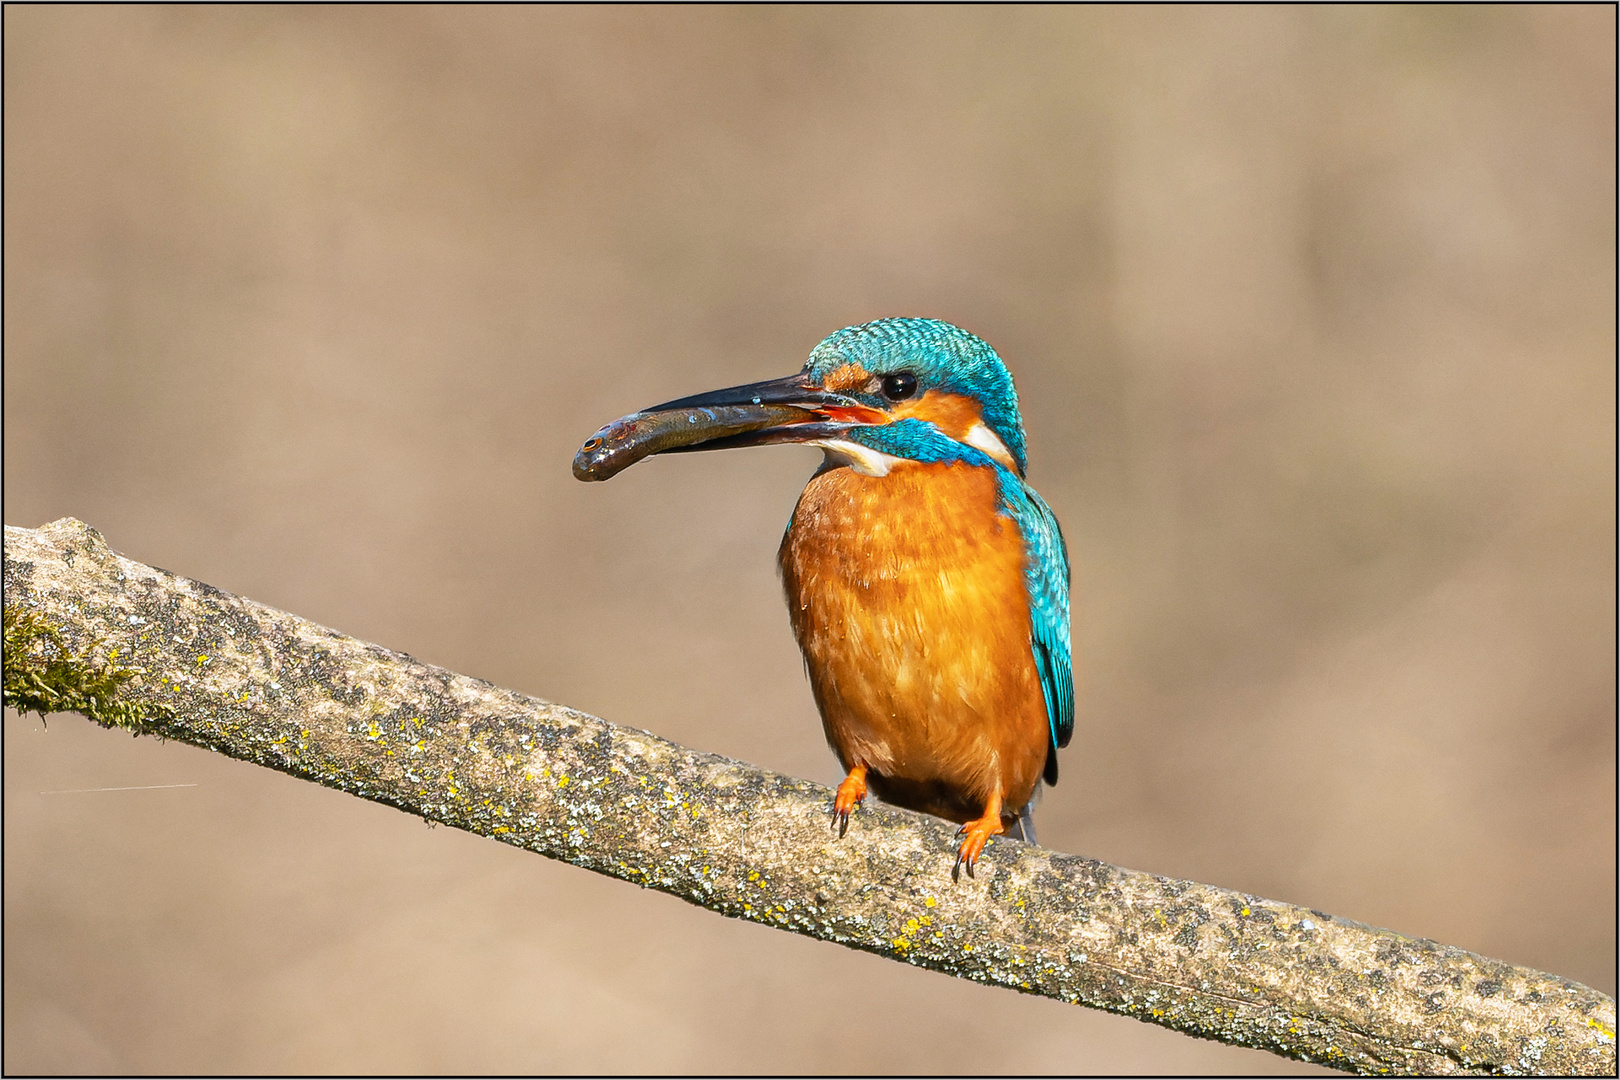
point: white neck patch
(982, 438)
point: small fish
(630, 438)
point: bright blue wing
(1046, 576)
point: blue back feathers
(1046, 575)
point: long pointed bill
(779, 410)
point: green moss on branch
(43, 675)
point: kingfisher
(927, 583)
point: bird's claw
(850, 794)
(973, 836)
(840, 821)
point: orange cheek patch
(954, 414)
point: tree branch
(140, 648)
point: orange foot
(851, 792)
(975, 834)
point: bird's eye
(899, 386)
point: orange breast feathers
(907, 596)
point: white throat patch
(863, 459)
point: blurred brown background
(1312, 312)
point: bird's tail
(1024, 828)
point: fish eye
(591, 444)
(899, 386)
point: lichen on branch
(128, 644)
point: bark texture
(138, 647)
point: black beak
(791, 409)
(794, 390)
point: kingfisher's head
(865, 395)
(924, 369)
